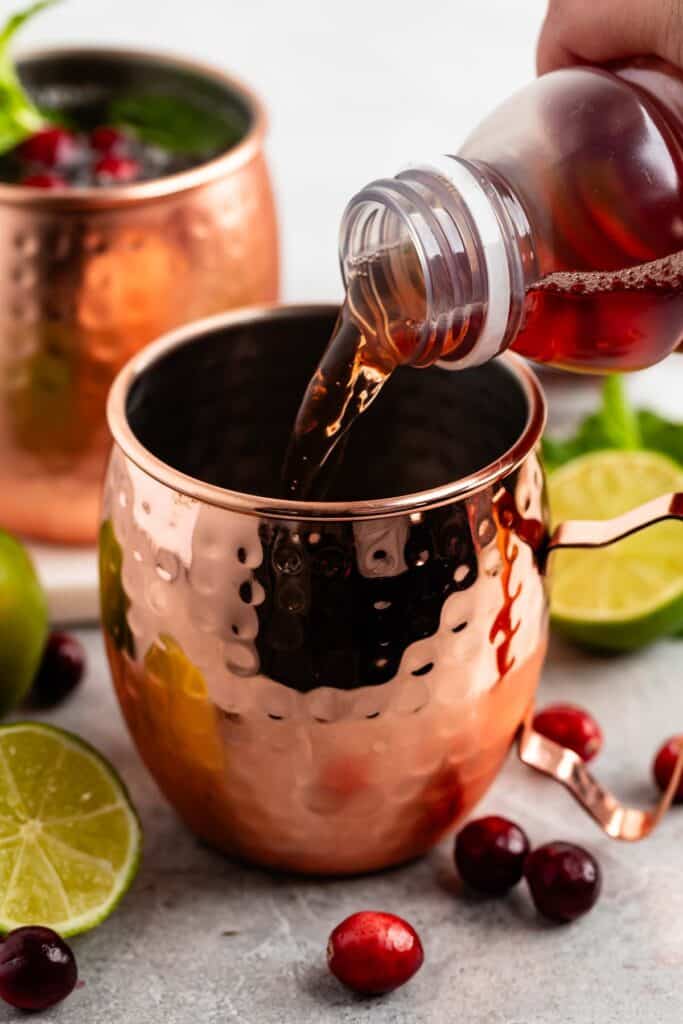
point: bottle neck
(446, 247)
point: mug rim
(243, 151)
(288, 508)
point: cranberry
(37, 968)
(45, 180)
(107, 140)
(373, 952)
(490, 854)
(112, 168)
(60, 672)
(52, 147)
(572, 727)
(664, 765)
(564, 880)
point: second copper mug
(90, 276)
(330, 686)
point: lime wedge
(23, 622)
(69, 838)
(629, 594)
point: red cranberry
(373, 952)
(61, 670)
(490, 854)
(664, 765)
(572, 727)
(52, 147)
(107, 140)
(37, 968)
(46, 180)
(564, 880)
(112, 168)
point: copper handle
(616, 820)
(594, 533)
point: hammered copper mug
(88, 277)
(329, 686)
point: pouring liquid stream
(594, 321)
(364, 350)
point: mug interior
(83, 82)
(220, 406)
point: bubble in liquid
(665, 274)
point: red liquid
(595, 161)
(605, 321)
(350, 375)
(347, 380)
(594, 322)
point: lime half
(23, 622)
(69, 839)
(624, 596)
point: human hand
(597, 31)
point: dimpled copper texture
(88, 278)
(318, 686)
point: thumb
(596, 31)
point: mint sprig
(174, 123)
(617, 425)
(19, 116)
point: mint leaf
(19, 116)
(616, 425)
(175, 124)
(660, 435)
(591, 435)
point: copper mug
(328, 687)
(87, 278)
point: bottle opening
(386, 273)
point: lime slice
(69, 838)
(624, 596)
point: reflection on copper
(509, 550)
(565, 766)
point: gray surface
(163, 958)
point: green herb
(19, 116)
(660, 435)
(621, 422)
(617, 425)
(174, 123)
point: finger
(596, 31)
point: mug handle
(542, 754)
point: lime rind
(61, 869)
(23, 622)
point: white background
(354, 89)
